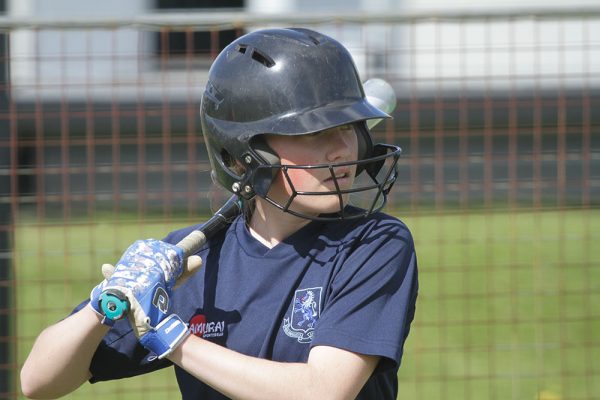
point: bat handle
(196, 239)
(191, 243)
(114, 304)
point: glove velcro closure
(166, 336)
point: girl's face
(335, 145)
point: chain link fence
(100, 144)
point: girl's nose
(343, 145)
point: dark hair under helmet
(288, 82)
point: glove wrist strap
(166, 336)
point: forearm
(61, 355)
(216, 365)
(328, 374)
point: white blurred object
(380, 94)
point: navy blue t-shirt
(347, 284)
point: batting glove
(146, 275)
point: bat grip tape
(191, 243)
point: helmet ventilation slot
(256, 55)
(314, 40)
(262, 58)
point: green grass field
(508, 303)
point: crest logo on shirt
(305, 314)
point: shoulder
(379, 222)
(376, 229)
(377, 244)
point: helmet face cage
(368, 194)
(253, 91)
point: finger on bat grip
(191, 265)
(107, 270)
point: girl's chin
(318, 204)
(311, 204)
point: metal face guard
(367, 195)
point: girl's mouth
(340, 176)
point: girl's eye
(343, 128)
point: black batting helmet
(287, 82)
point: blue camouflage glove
(145, 275)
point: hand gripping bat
(115, 305)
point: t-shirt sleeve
(119, 355)
(371, 302)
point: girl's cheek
(296, 177)
(301, 180)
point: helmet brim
(305, 122)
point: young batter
(309, 294)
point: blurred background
(498, 116)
